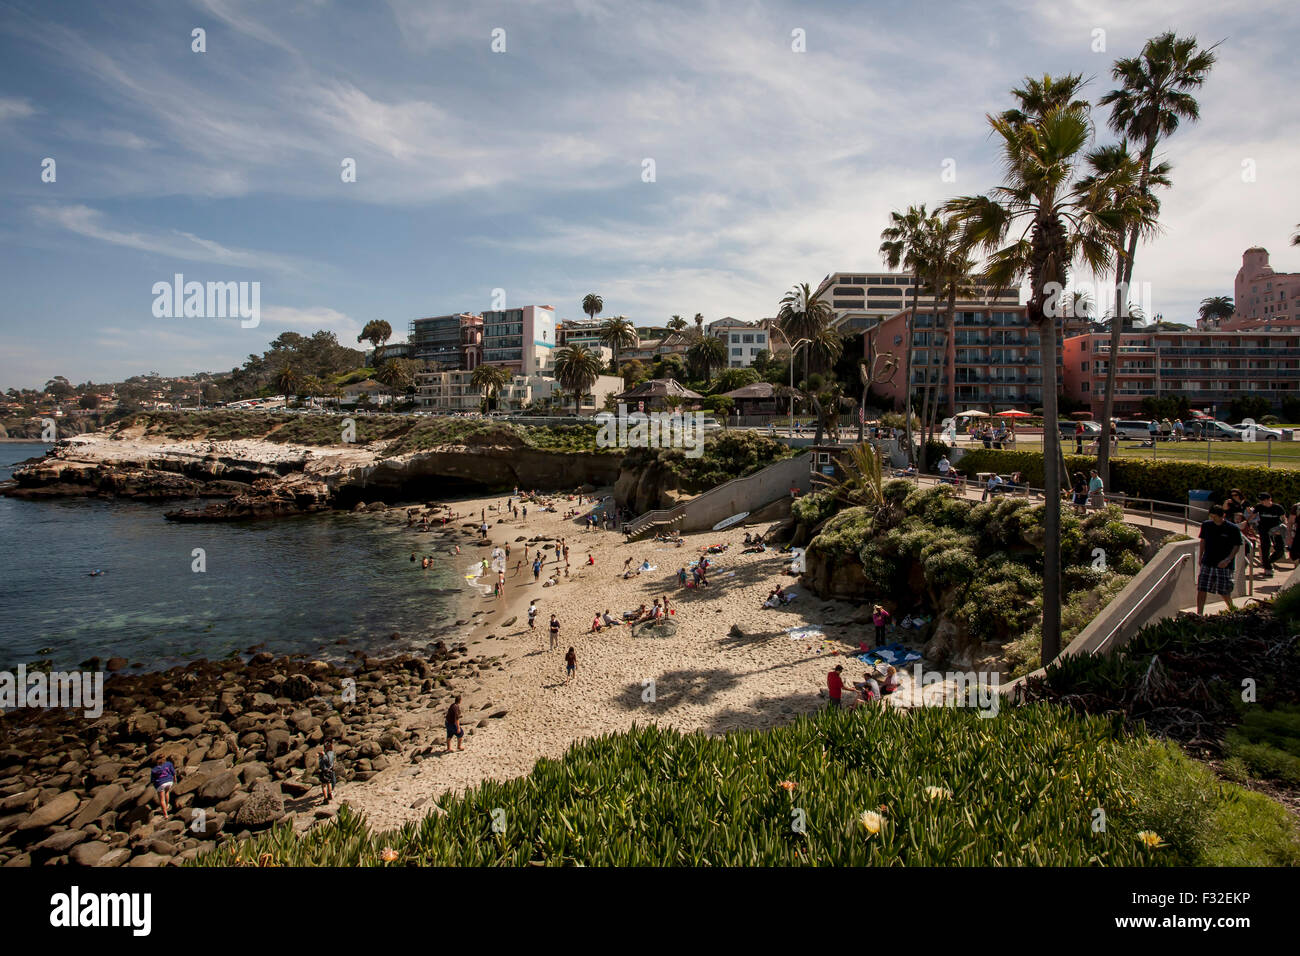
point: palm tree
(1153, 97)
(1038, 224)
(376, 332)
(491, 379)
(286, 380)
(699, 325)
(1295, 238)
(707, 354)
(949, 268)
(1216, 308)
(618, 333)
(576, 369)
(395, 375)
(677, 323)
(901, 244)
(803, 315)
(1038, 97)
(1117, 174)
(592, 304)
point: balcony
(1258, 374)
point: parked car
(1133, 428)
(710, 425)
(1221, 431)
(1090, 430)
(1262, 432)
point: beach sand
(705, 678)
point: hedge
(1139, 478)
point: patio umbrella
(972, 413)
(1013, 413)
(1081, 414)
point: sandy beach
(731, 664)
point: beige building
(862, 299)
(453, 392)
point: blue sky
(522, 170)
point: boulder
(100, 802)
(264, 806)
(61, 842)
(52, 812)
(88, 854)
(114, 857)
(218, 788)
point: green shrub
(813, 509)
(1268, 742)
(1017, 789)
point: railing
(1141, 602)
(677, 512)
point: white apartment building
(744, 340)
(862, 299)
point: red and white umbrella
(1013, 413)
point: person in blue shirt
(163, 778)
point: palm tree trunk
(1051, 645)
(1123, 276)
(910, 325)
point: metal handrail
(1140, 603)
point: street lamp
(794, 347)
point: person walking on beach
(570, 665)
(532, 613)
(325, 768)
(537, 568)
(452, 720)
(163, 778)
(555, 632)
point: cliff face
(267, 479)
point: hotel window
(737, 352)
(873, 280)
(848, 290)
(859, 280)
(1085, 386)
(747, 339)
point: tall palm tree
(576, 369)
(677, 323)
(592, 304)
(1039, 96)
(618, 333)
(1117, 174)
(707, 354)
(1038, 224)
(491, 379)
(901, 244)
(947, 268)
(803, 315)
(1154, 96)
(1216, 307)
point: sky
(673, 157)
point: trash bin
(1198, 504)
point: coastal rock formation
(264, 479)
(244, 743)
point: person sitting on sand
(775, 597)
(608, 619)
(641, 614)
(596, 624)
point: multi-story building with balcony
(861, 299)
(992, 362)
(446, 342)
(1209, 368)
(453, 392)
(520, 340)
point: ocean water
(292, 585)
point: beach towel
(799, 633)
(895, 654)
(648, 567)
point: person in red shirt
(835, 684)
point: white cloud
(12, 107)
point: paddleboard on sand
(728, 522)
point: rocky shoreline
(243, 736)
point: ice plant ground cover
(1037, 785)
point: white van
(1133, 428)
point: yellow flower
(938, 793)
(1151, 838)
(871, 821)
(388, 854)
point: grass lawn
(1275, 454)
